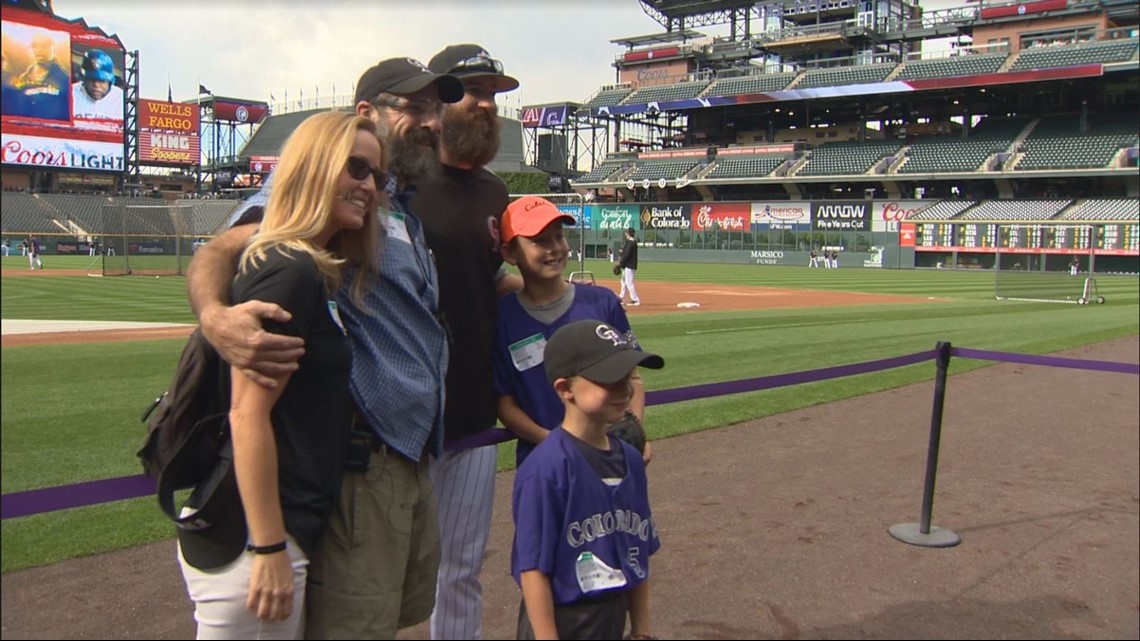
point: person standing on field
(628, 264)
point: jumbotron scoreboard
(1111, 239)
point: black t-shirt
(461, 211)
(313, 416)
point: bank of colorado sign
(841, 215)
(665, 216)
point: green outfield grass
(71, 412)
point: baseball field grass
(71, 412)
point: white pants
(34, 261)
(219, 599)
(627, 284)
(465, 493)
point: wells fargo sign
(168, 133)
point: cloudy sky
(558, 49)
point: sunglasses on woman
(359, 169)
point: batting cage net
(146, 240)
(1046, 263)
(574, 205)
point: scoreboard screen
(1119, 238)
(933, 235)
(1111, 239)
(977, 235)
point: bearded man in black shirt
(461, 210)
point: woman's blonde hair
(304, 193)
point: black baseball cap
(596, 351)
(471, 61)
(211, 522)
(405, 76)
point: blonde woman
(290, 440)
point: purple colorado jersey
(587, 536)
(519, 339)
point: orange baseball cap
(529, 215)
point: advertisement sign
(841, 215)
(579, 213)
(54, 153)
(240, 110)
(62, 81)
(906, 234)
(650, 54)
(84, 181)
(262, 164)
(661, 73)
(1024, 8)
(793, 215)
(551, 116)
(722, 217)
(887, 214)
(615, 216)
(665, 216)
(697, 152)
(168, 133)
(752, 150)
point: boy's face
(541, 257)
(603, 402)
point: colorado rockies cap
(472, 61)
(596, 351)
(404, 76)
(528, 216)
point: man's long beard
(413, 156)
(471, 136)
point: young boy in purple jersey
(583, 528)
(532, 239)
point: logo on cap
(607, 333)
(418, 64)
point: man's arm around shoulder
(236, 331)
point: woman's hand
(271, 586)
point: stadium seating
(1015, 210)
(757, 166)
(601, 172)
(664, 93)
(759, 83)
(951, 67)
(947, 154)
(607, 98)
(654, 170)
(1073, 55)
(1115, 209)
(271, 135)
(102, 215)
(847, 158)
(1057, 143)
(839, 76)
(26, 213)
(944, 210)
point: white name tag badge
(396, 227)
(527, 353)
(336, 317)
(594, 574)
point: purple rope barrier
(60, 497)
(1049, 361)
